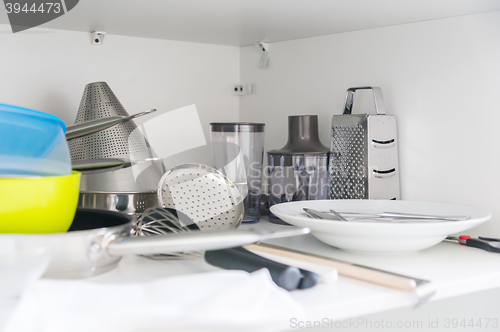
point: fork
(394, 217)
(322, 215)
(400, 215)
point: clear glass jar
(238, 152)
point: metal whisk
(160, 221)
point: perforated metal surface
(99, 101)
(348, 165)
(204, 194)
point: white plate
(380, 238)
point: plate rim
(478, 220)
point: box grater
(364, 152)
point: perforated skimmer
(204, 194)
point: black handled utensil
(485, 243)
(287, 277)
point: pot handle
(94, 126)
(377, 96)
(193, 241)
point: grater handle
(384, 174)
(383, 144)
(377, 96)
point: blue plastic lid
(30, 112)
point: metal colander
(99, 101)
(204, 194)
(123, 141)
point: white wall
(47, 70)
(440, 78)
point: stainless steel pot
(127, 202)
(97, 240)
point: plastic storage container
(238, 152)
(32, 143)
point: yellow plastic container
(38, 205)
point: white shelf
(455, 270)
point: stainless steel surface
(93, 164)
(122, 141)
(377, 96)
(398, 215)
(92, 251)
(126, 202)
(103, 165)
(232, 127)
(79, 254)
(158, 221)
(99, 101)
(321, 215)
(454, 239)
(194, 241)
(364, 152)
(123, 179)
(337, 215)
(377, 218)
(264, 236)
(94, 126)
(204, 194)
